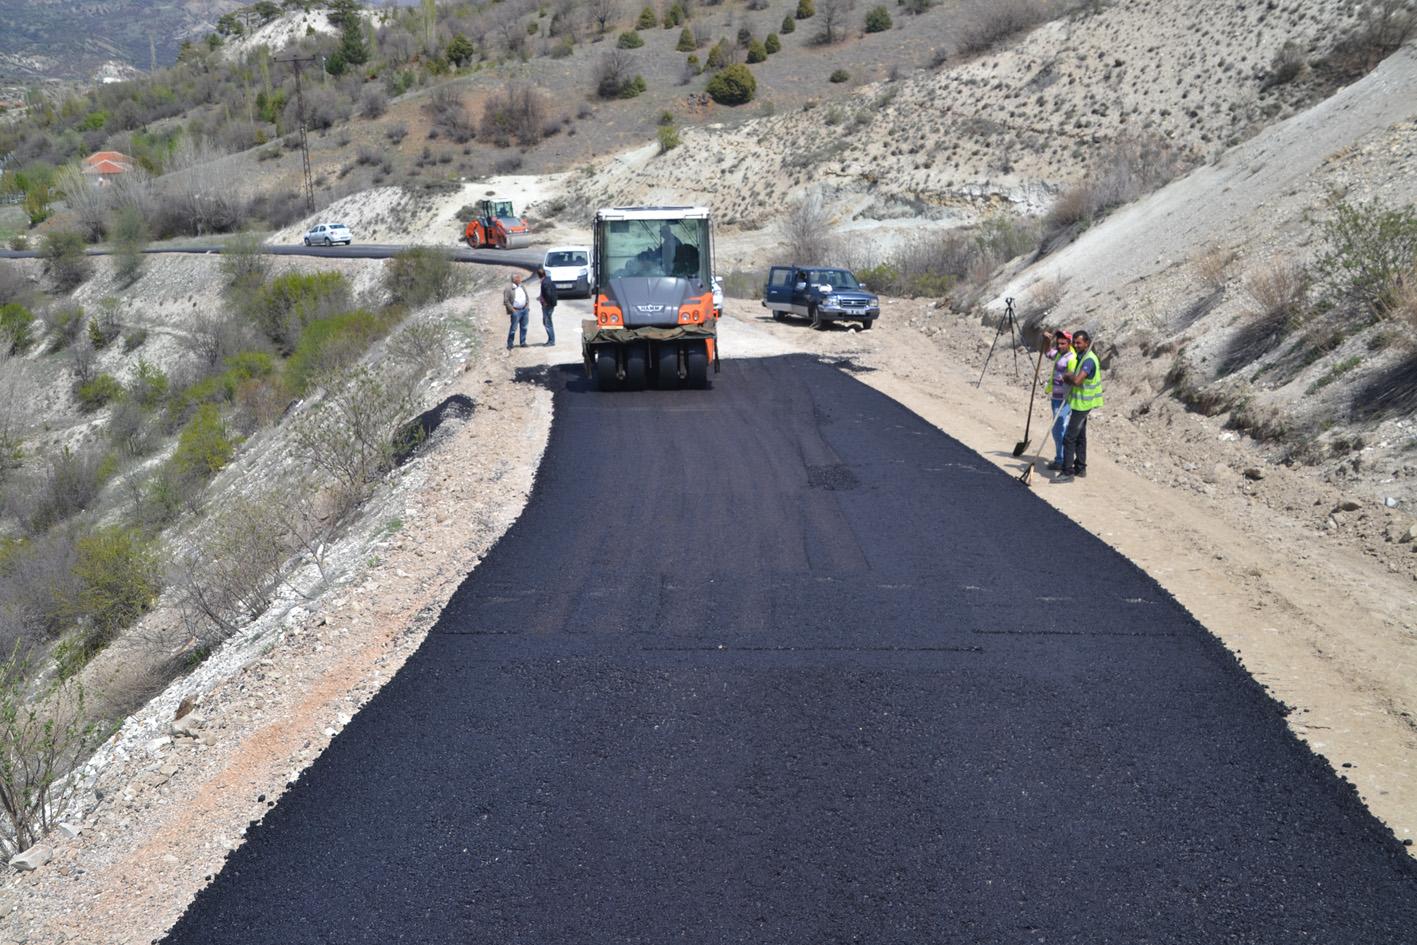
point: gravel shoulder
(171, 811)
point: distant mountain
(74, 39)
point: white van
(569, 269)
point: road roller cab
(655, 321)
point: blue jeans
(518, 321)
(1061, 412)
(550, 326)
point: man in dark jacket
(548, 305)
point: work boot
(1054, 466)
(1081, 472)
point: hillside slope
(1146, 275)
(1010, 127)
(63, 39)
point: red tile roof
(107, 162)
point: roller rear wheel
(696, 364)
(667, 365)
(605, 368)
(636, 365)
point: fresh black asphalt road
(778, 662)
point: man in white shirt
(517, 303)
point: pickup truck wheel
(778, 316)
(605, 368)
(866, 323)
(696, 364)
(666, 367)
(636, 365)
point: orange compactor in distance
(654, 321)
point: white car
(328, 234)
(569, 269)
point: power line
(296, 62)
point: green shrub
(63, 324)
(647, 20)
(675, 15)
(634, 87)
(719, 56)
(329, 344)
(788, 25)
(772, 44)
(1334, 373)
(98, 392)
(204, 446)
(64, 259)
(882, 277)
(668, 138)
(148, 386)
(733, 85)
(460, 50)
(16, 328)
(1369, 251)
(630, 39)
(757, 52)
(118, 570)
(420, 275)
(878, 20)
(44, 737)
(839, 75)
(805, 9)
(130, 237)
(692, 64)
(686, 41)
(284, 307)
(244, 263)
(99, 337)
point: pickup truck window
(779, 277)
(836, 278)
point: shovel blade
(1020, 447)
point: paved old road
(522, 259)
(778, 662)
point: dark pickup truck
(819, 295)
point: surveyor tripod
(1013, 338)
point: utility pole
(296, 62)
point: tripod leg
(997, 332)
(1013, 337)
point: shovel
(1022, 444)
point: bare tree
(516, 112)
(603, 11)
(14, 397)
(359, 429)
(200, 191)
(833, 17)
(41, 741)
(234, 571)
(445, 107)
(87, 201)
(807, 230)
